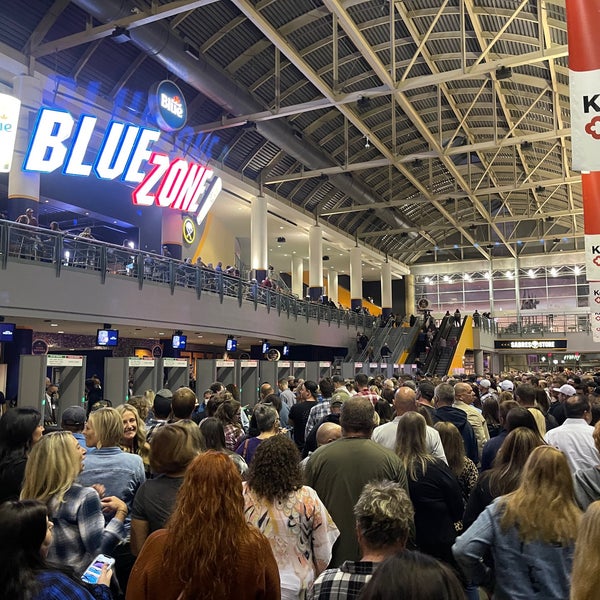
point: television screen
(265, 347)
(107, 337)
(7, 332)
(178, 342)
(231, 345)
(285, 350)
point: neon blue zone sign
(59, 141)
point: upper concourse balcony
(48, 274)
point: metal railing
(63, 251)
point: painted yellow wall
(344, 297)
(464, 343)
(216, 243)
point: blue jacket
(523, 571)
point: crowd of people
(368, 488)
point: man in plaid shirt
(384, 518)
(361, 382)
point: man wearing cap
(485, 390)
(575, 437)
(506, 385)
(161, 409)
(73, 420)
(557, 409)
(404, 402)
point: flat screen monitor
(265, 347)
(178, 342)
(231, 345)
(107, 337)
(285, 350)
(7, 332)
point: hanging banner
(10, 108)
(590, 190)
(583, 23)
(594, 300)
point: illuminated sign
(530, 344)
(60, 142)
(188, 230)
(9, 118)
(167, 105)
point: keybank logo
(167, 105)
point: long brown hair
(585, 578)
(454, 446)
(505, 475)
(207, 525)
(411, 444)
(546, 476)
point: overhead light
(192, 51)
(280, 240)
(503, 73)
(325, 258)
(120, 35)
(367, 145)
(526, 146)
(53, 324)
(363, 104)
(539, 189)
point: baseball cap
(507, 385)
(338, 398)
(566, 389)
(162, 401)
(73, 415)
(485, 383)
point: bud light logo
(167, 105)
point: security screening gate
(209, 370)
(173, 373)
(248, 381)
(315, 371)
(119, 371)
(68, 372)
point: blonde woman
(133, 440)
(80, 532)
(585, 577)
(120, 473)
(530, 533)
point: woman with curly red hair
(207, 550)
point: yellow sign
(189, 231)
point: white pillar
(386, 289)
(297, 276)
(315, 262)
(259, 257)
(332, 285)
(23, 184)
(355, 278)
(409, 293)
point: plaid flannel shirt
(79, 529)
(344, 583)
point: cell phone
(93, 572)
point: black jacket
(459, 418)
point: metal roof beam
(139, 19)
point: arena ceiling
(427, 129)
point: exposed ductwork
(165, 46)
